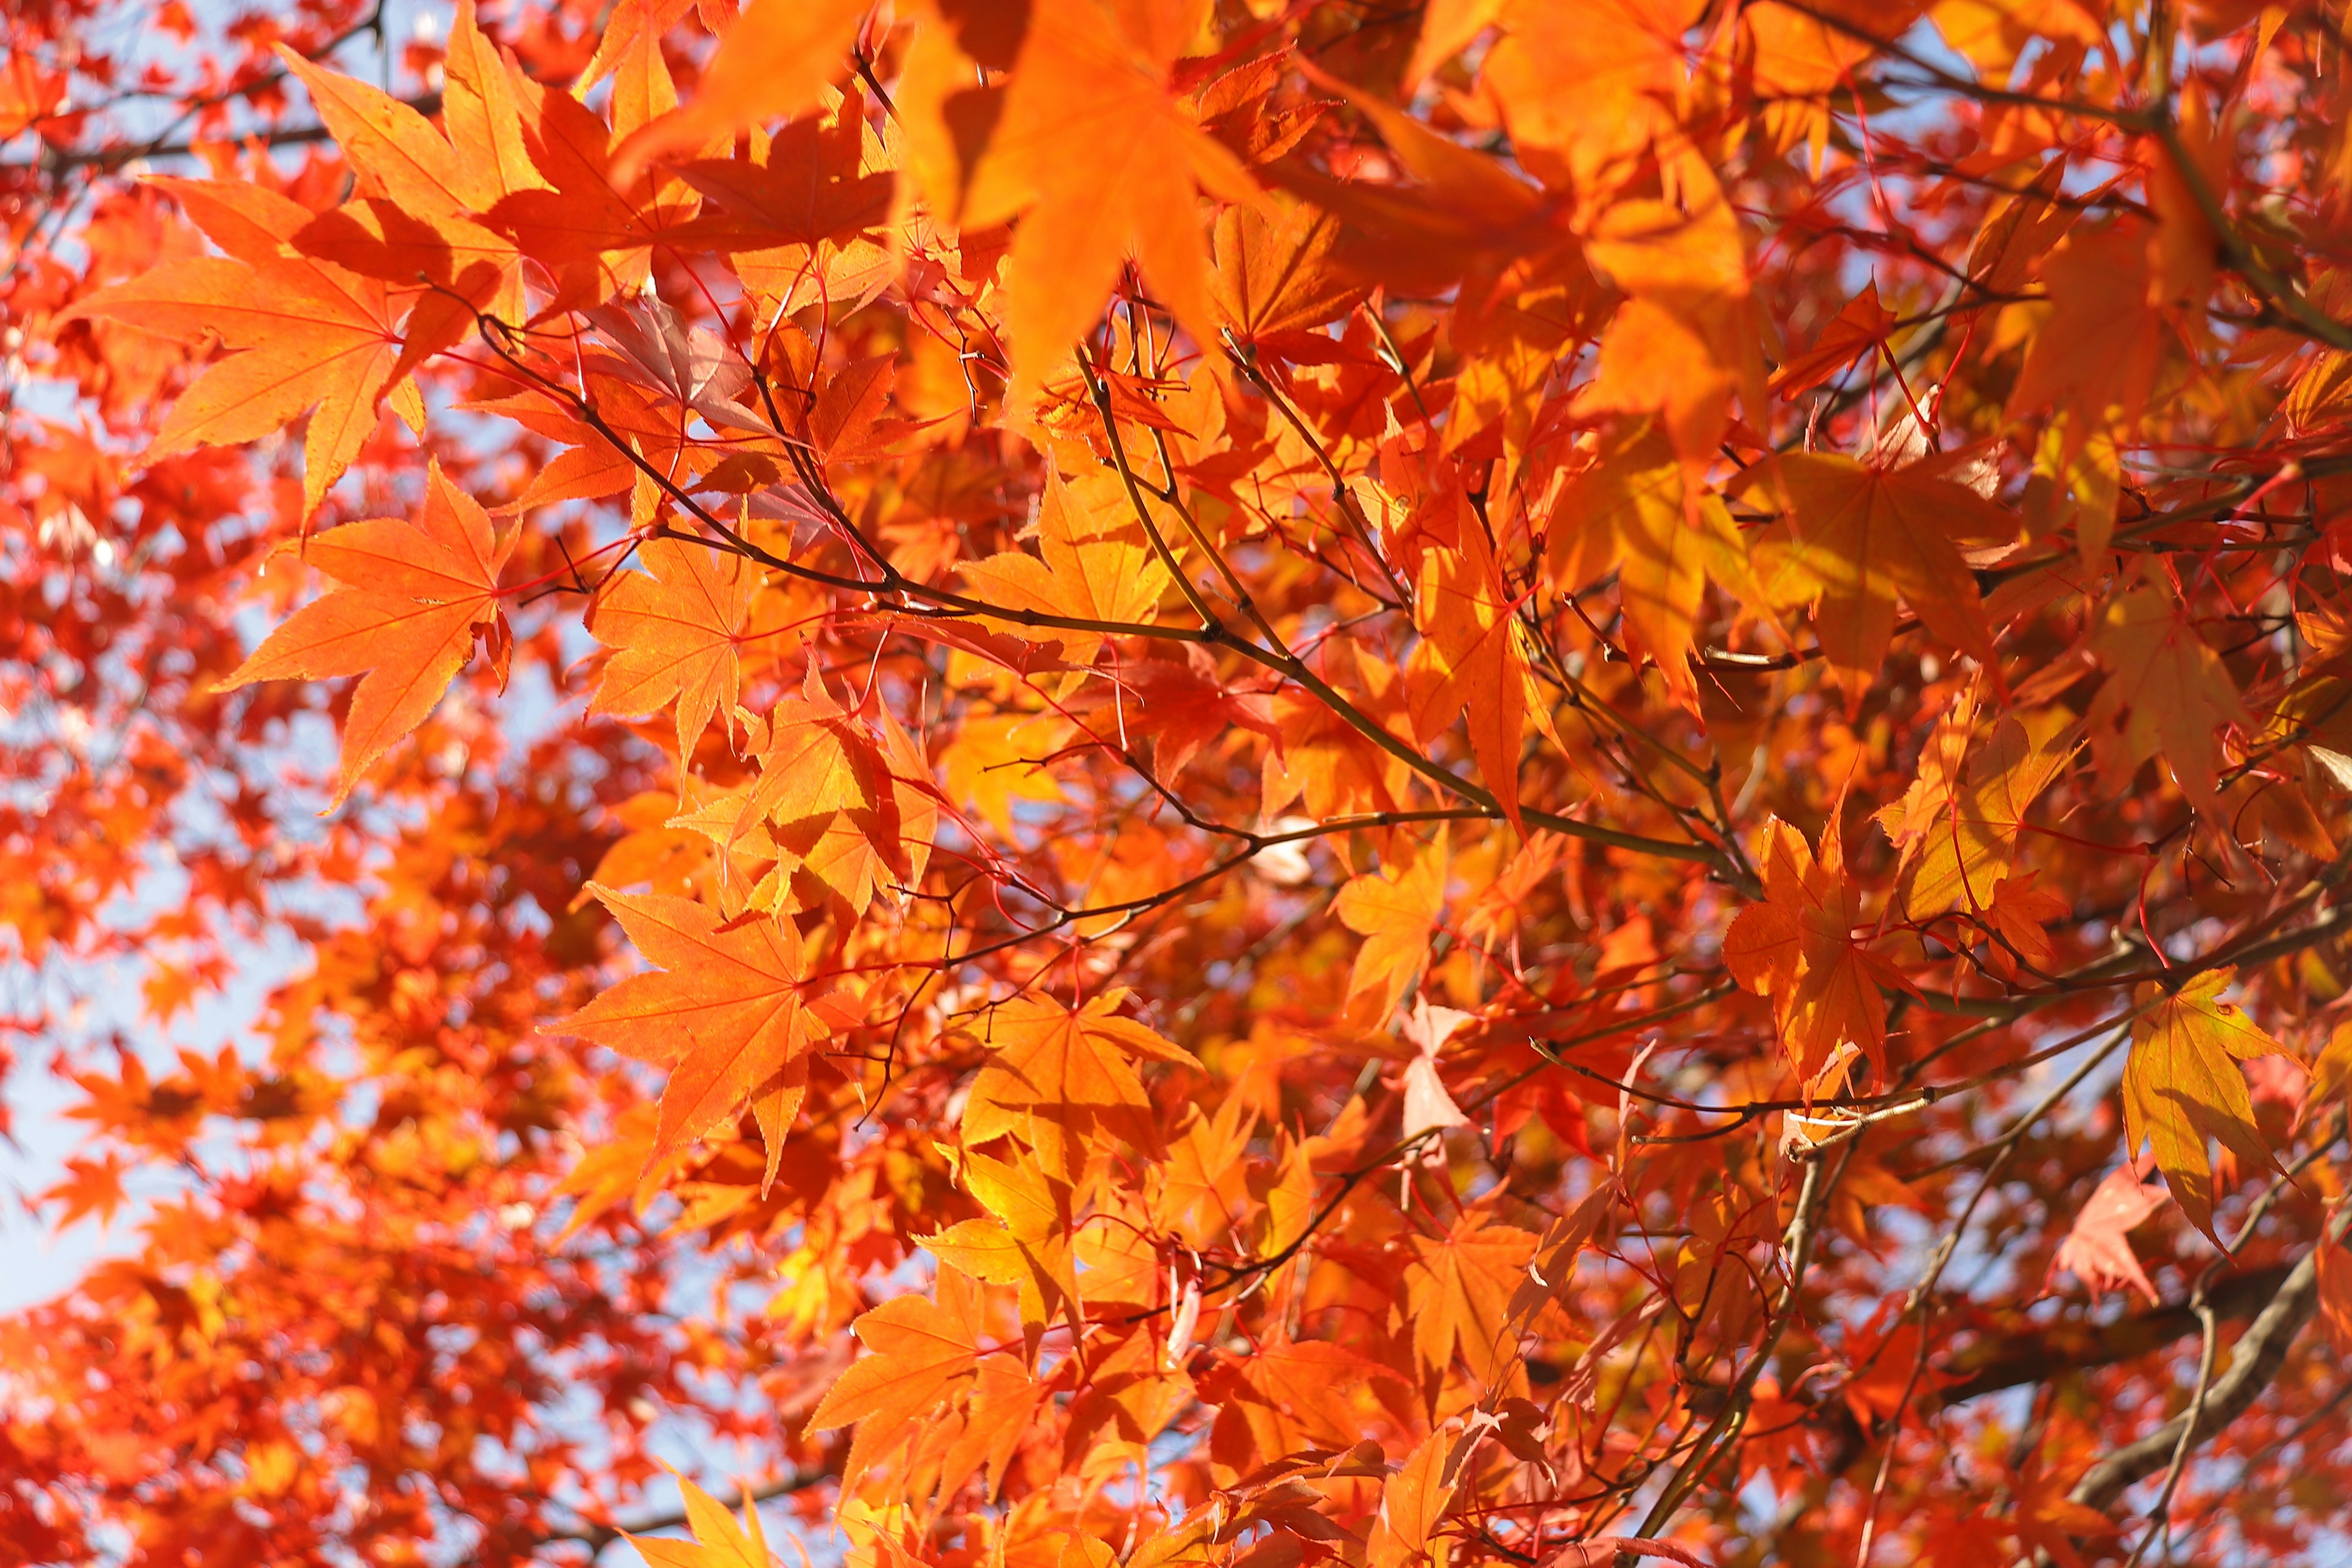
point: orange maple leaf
(1062, 1081)
(1635, 512)
(1094, 75)
(719, 1541)
(774, 61)
(724, 1013)
(1459, 1288)
(2168, 694)
(1798, 947)
(1957, 849)
(304, 336)
(1394, 910)
(1864, 537)
(677, 628)
(918, 1351)
(414, 596)
(1470, 661)
(1092, 564)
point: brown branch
(2253, 1364)
(2016, 1361)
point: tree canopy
(1067, 783)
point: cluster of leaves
(1189, 781)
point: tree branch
(2252, 1365)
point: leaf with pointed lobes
(2097, 361)
(725, 1012)
(2332, 1073)
(1853, 333)
(307, 337)
(1412, 1500)
(481, 114)
(1862, 539)
(1275, 278)
(775, 61)
(2168, 694)
(1459, 1288)
(1469, 660)
(1026, 1244)
(1798, 948)
(1092, 564)
(675, 630)
(1635, 512)
(1956, 850)
(2017, 916)
(413, 597)
(1062, 1080)
(719, 1541)
(2096, 1251)
(918, 1351)
(1684, 345)
(593, 231)
(2183, 1085)
(1394, 910)
(413, 215)
(1096, 76)
(1185, 706)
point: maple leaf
(1185, 706)
(1957, 849)
(1274, 278)
(774, 61)
(2096, 372)
(2095, 1249)
(1459, 1287)
(917, 1353)
(719, 1541)
(820, 178)
(1394, 910)
(2045, 1518)
(1798, 948)
(1469, 660)
(1857, 330)
(414, 596)
(1863, 538)
(1091, 565)
(1027, 1242)
(305, 336)
(827, 807)
(1597, 83)
(1411, 1502)
(91, 1187)
(724, 1013)
(1062, 1080)
(677, 628)
(2168, 694)
(2182, 1087)
(1633, 512)
(418, 221)
(591, 221)
(1093, 74)
(1684, 345)
(481, 114)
